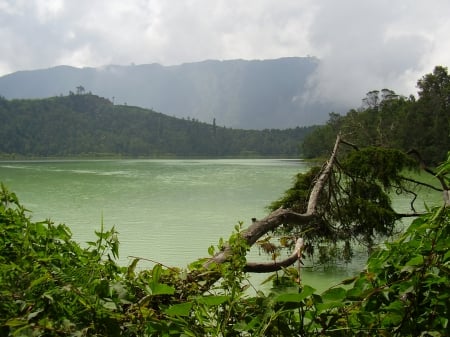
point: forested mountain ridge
(88, 125)
(248, 94)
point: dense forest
(390, 120)
(82, 124)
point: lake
(169, 211)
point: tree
(390, 120)
(433, 111)
(345, 200)
(372, 99)
(80, 90)
(436, 86)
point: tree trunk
(279, 217)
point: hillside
(254, 94)
(86, 124)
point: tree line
(84, 124)
(387, 119)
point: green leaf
(181, 309)
(16, 322)
(396, 306)
(213, 300)
(102, 289)
(292, 297)
(33, 314)
(415, 261)
(349, 280)
(446, 256)
(132, 267)
(295, 297)
(321, 307)
(41, 228)
(211, 250)
(334, 294)
(39, 281)
(110, 305)
(156, 273)
(162, 289)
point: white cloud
(8, 8)
(363, 45)
(374, 45)
(80, 57)
(48, 9)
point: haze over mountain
(253, 94)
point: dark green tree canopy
(355, 203)
(83, 124)
(390, 120)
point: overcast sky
(362, 45)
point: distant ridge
(254, 94)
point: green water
(169, 211)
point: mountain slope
(237, 93)
(86, 124)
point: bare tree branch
(268, 267)
(261, 227)
(428, 170)
(422, 184)
(323, 177)
(271, 222)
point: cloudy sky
(362, 45)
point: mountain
(244, 94)
(89, 125)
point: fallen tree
(347, 199)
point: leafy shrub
(48, 283)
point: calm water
(168, 211)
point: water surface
(169, 211)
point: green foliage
(49, 285)
(407, 284)
(355, 204)
(87, 125)
(389, 120)
(403, 292)
(444, 170)
(319, 142)
(385, 166)
(296, 197)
